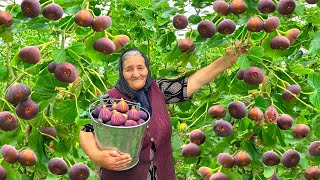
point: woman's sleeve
(174, 90)
(88, 128)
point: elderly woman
(135, 84)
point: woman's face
(135, 72)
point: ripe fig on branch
(221, 7)
(6, 19)
(31, 8)
(180, 21)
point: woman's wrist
(95, 156)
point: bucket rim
(104, 100)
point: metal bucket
(124, 139)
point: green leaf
(315, 99)
(303, 163)
(15, 61)
(7, 36)
(78, 48)
(269, 136)
(46, 88)
(194, 19)
(314, 48)
(257, 51)
(316, 126)
(37, 145)
(216, 41)
(243, 62)
(231, 175)
(174, 54)
(3, 72)
(38, 26)
(66, 111)
(62, 146)
(242, 88)
(268, 171)
(176, 142)
(169, 12)
(11, 172)
(301, 120)
(261, 103)
(299, 69)
(166, 39)
(314, 81)
(59, 55)
(74, 55)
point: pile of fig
(119, 114)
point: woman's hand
(112, 159)
(233, 52)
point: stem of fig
(283, 82)
(219, 20)
(8, 104)
(52, 1)
(13, 7)
(213, 19)
(84, 38)
(105, 87)
(87, 5)
(46, 118)
(45, 3)
(87, 76)
(68, 162)
(66, 23)
(198, 117)
(108, 35)
(299, 99)
(8, 57)
(94, 16)
(286, 74)
(217, 169)
(263, 38)
(240, 32)
(63, 38)
(44, 45)
(278, 108)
